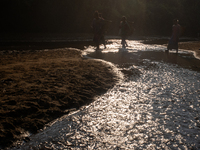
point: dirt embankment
(193, 46)
(39, 86)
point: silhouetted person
(124, 31)
(97, 26)
(173, 42)
(103, 30)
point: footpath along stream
(156, 106)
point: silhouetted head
(123, 18)
(175, 21)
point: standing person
(97, 29)
(173, 42)
(124, 31)
(102, 36)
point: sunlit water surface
(155, 107)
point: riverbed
(156, 106)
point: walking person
(124, 31)
(102, 36)
(97, 26)
(173, 42)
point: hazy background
(150, 17)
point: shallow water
(137, 52)
(156, 107)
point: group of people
(98, 26)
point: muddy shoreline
(191, 45)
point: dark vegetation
(150, 17)
(40, 86)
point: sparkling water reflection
(157, 107)
(137, 52)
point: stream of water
(155, 107)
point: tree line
(150, 17)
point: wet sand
(39, 86)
